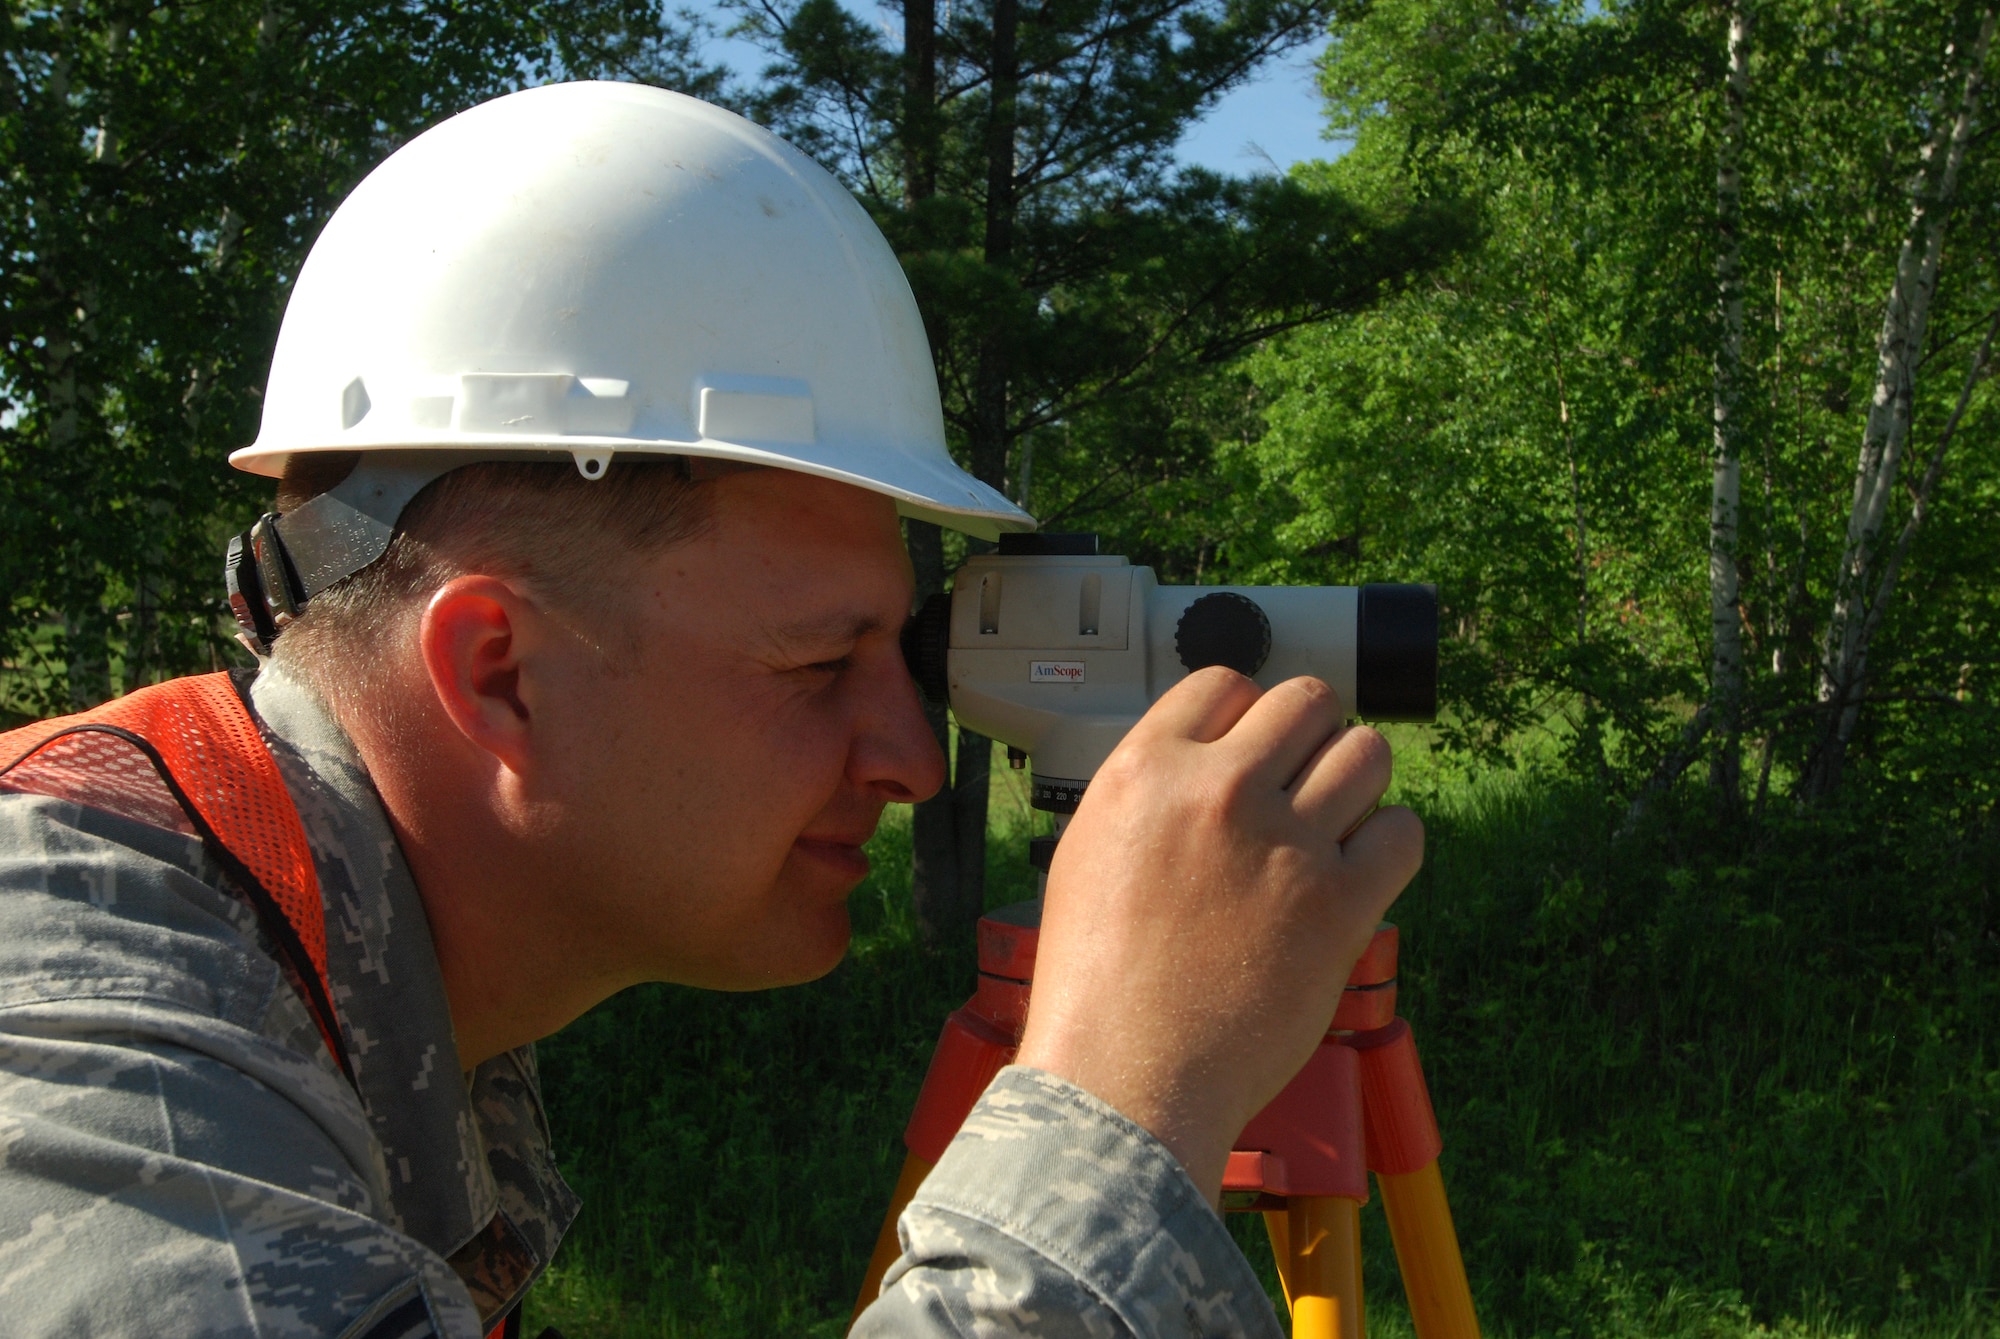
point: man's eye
(827, 666)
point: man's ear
(474, 634)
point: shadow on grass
(1701, 1081)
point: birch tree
(1725, 614)
(1714, 254)
(1861, 589)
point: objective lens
(1396, 656)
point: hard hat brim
(923, 490)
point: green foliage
(1692, 1082)
(1751, 1066)
(1073, 281)
(1485, 432)
(1530, 427)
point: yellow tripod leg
(1277, 1226)
(1323, 1234)
(1427, 1254)
(887, 1247)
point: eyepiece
(926, 648)
(1396, 657)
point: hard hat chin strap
(281, 562)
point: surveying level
(1056, 651)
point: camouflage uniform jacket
(179, 1154)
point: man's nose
(895, 753)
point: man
(594, 410)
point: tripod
(1359, 1105)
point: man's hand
(1207, 903)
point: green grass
(1702, 1080)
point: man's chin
(799, 929)
(809, 944)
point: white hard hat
(591, 269)
(601, 267)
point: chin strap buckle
(278, 564)
(264, 591)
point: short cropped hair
(564, 537)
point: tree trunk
(989, 406)
(948, 859)
(934, 826)
(87, 668)
(86, 626)
(971, 780)
(1977, 371)
(1725, 618)
(1892, 567)
(1575, 471)
(920, 110)
(1844, 655)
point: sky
(1266, 125)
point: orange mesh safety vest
(185, 755)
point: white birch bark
(1981, 366)
(1900, 346)
(1726, 677)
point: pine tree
(1019, 156)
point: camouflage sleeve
(1052, 1215)
(175, 1155)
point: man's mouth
(841, 855)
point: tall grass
(1697, 1080)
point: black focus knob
(926, 644)
(1224, 629)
